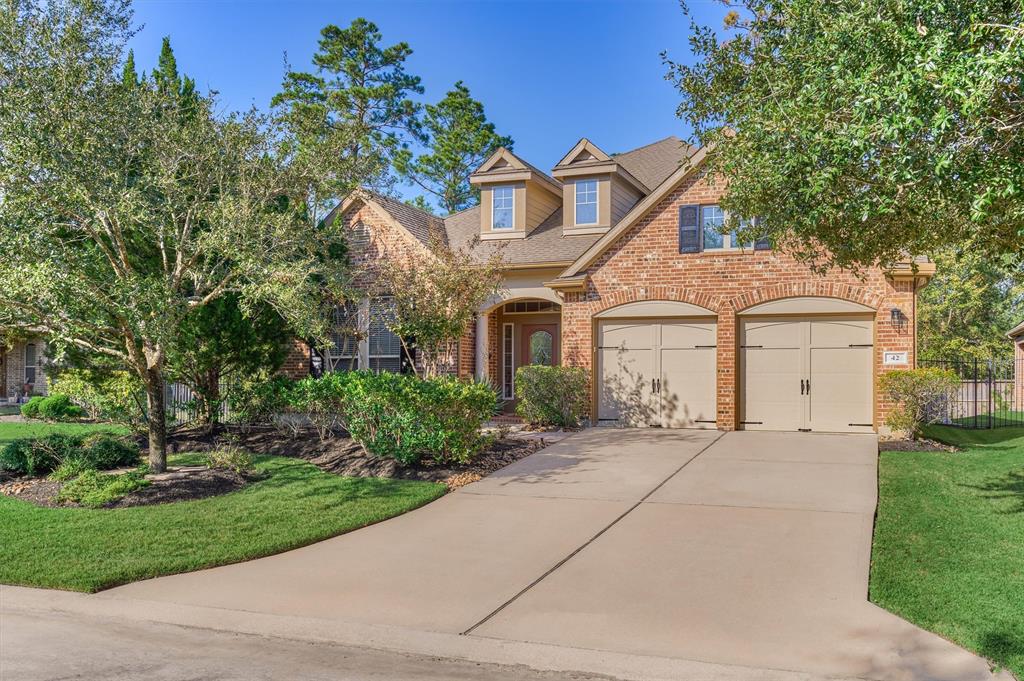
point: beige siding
(604, 202)
(540, 203)
(623, 197)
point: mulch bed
(921, 445)
(341, 456)
(338, 455)
(197, 484)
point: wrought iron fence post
(974, 396)
(991, 387)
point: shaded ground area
(341, 456)
(949, 540)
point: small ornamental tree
(125, 207)
(919, 396)
(436, 297)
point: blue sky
(548, 73)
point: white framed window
(586, 202)
(712, 219)
(31, 359)
(385, 347)
(503, 207)
(508, 370)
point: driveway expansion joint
(590, 541)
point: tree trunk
(157, 420)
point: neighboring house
(616, 264)
(21, 374)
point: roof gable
(585, 151)
(636, 213)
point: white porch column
(481, 346)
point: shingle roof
(652, 163)
(544, 244)
(420, 223)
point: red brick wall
(386, 241)
(645, 264)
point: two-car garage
(803, 364)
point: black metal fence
(991, 393)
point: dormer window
(586, 202)
(502, 211)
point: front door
(539, 344)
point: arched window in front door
(541, 348)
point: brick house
(21, 369)
(619, 264)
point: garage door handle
(653, 389)
(801, 386)
(808, 386)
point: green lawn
(17, 429)
(949, 541)
(88, 550)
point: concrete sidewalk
(705, 553)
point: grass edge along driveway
(297, 504)
(948, 551)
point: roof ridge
(402, 203)
(460, 212)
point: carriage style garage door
(811, 373)
(657, 372)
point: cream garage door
(807, 374)
(657, 373)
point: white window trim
(509, 387)
(576, 202)
(727, 244)
(511, 227)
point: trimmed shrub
(58, 407)
(68, 455)
(30, 409)
(551, 396)
(322, 400)
(407, 418)
(95, 489)
(919, 397)
(105, 451)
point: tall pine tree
(356, 103)
(460, 139)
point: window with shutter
(343, 355)
(689, 229)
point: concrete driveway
(742, 549)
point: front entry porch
(518, 333)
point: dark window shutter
(689, 229)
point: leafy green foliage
(151, 202)
(854, 129)
(919, 397)
(94, 489)
(30, 409)
(115, 396)
(966, 309)
(58, 407)
(68, 452)
(356, 107)
(406, 418)
(259, 400)
(221, 341)
(460, 138)
(435, 298)
(551, 396)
